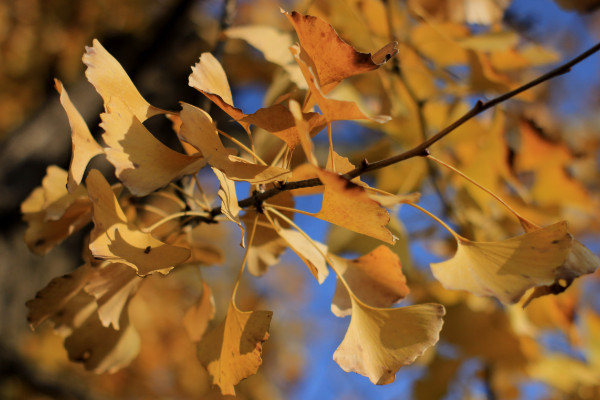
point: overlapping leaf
(84, 147)
(114, 239)
(111, 81)
(232, 351)
(506, 269)
(141, 161)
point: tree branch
(422, 149)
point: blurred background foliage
(549, 351)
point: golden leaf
(52, 213)
(111, 81)
(346, 204)
(229, 202)
(198, 130)
(333, 110)
(379, 341)
(84, 147)
(506, 269)
(375, 278)
(209, 78)
(141, 161)
(112, 285)
(232, 351)
(114, 239)
(334, 60)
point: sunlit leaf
(114, 239)
(198, 316)
(379, 341)
(506, 269)
(111, 81)
(375, 278)
(232, 351)
(84, 147)
(141, 161)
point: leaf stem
(243, 146)
(439, 221)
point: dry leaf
(375, 278)
(333, 110)
(508, 268)
(114, 239)
(84, 147)
(380, 341)
(232, 351)
(112, 285)
(111, 81)
(141, 161)
(334, 60)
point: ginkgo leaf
(303, 133)
(84, 147)
(346, 204)
(52, 213)
(380, 341)
(333, 110)
(114, 239)
(310, 251)
(198, 130)
(229, 202)
(273, 43)
(141, 161)
(198, 316)
(111, 81)
(232, 351)
(209, 78)
(506, 269)
(278, 121)
(103, 349)
(334, 60)
(375, 278)
(55, 295)
(74, 315)
(112, 285)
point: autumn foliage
(512, 241)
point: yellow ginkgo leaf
(52, 213)
(103, 349)
(278, 121)
(209, 78)
(379, 341)
(273, 43)
(111, 81)
(112, 285)
(84, 147)
(53, 298)
(74, 315)
(114, 239)
(506, 269)
(141, 161)
(229, 201)
(199, 130)
(232, 351)
(375, 278)
(334, 60)
(310, 251)
(347, 204)
(198, 316)
(333, 110)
